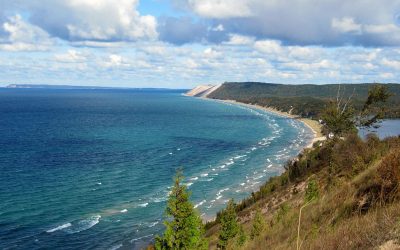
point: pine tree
(184, 228)
(229, 225)
(241, 237)
(258, 225)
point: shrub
(388, 176)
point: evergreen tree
(184, 228)
(258, 225)
(241, 237)
(229, 225)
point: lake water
(84, 169)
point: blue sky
(182, 43)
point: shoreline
(313, 125)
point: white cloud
(395, 64)
(235, 39)
(345, 25)
(305, 22)
(72, 56)
(22, 36)
(107, 19)
(221, 8)
(268, 46)
(381, 29)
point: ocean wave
(230, 163)
(204, 175)
(158, 199)
(143, 204)
(83, 225)
(124, 210)
(194, 178)
(140, 238)
(116, 247)
(152, 224)
(199, 204)
(63, 226)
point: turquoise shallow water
(85, 169)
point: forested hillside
(306, 100)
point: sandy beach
(315, 127)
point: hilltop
(306, 100)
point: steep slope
(202, 90)
(356, 203)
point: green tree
(258, 225)
(312, 192)
(374, 108)
(340, 117)
(184, 228)
(241, 237)
(229, 225)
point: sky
(184, 43)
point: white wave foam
(83, 224)
(143, 204)
(189, 184)
(199, 204)
(194, 178)
(218, 197)
(230, 163)
(124, 210)
(204, 175)
(157, 199)
(116, 247)
(143, 237)
(152, 224)
(66, 225)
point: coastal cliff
(340, 193)
(202, 90)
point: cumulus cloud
(346, 24)
(306, 22)
(22, 36)
(221, 8)
(71, 56)
(90, 20)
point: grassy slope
(306, 100)
(357, 208)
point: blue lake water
(385, 129)
(84, 169)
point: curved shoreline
(313, 125)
